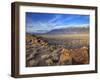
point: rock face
(65, 57)
(80, 56)
(40, 53)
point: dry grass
(67, 36)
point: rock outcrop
(80, 56)
(65, 57)
(40, 53)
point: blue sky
(44, 22)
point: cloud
(55, 22)
(39, 27)
(71, 25)
(55, 18)
(43, 27)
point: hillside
(40, 53)
(69, 30)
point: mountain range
(69, 30)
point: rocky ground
(40, 53)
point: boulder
(80, 56)
(65, 57)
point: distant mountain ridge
(69, 30)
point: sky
(45, 22)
